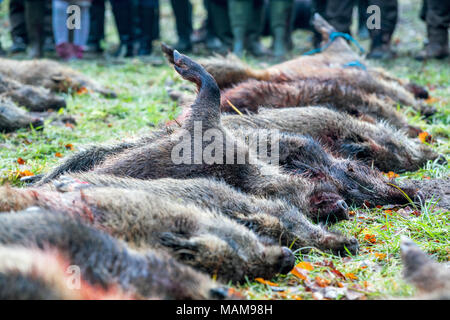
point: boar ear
(181, 247)
(322, 26)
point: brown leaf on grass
(351, 276)
(266, 282)
(416, 213)
(423, 136)
(321, 282)
(233, 293)
(25, 173)
(431, 100)
(20, 161)
(82, 90)
(69, 125)
(379, 256)
(367, 204)
(370, 238)
(305, 265)
(300, 273)
(59, 155)
(392, 175)
(330, 264)
(69, 146)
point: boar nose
(287, 262)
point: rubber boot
(380, 47)
(18, 45)
(254, 29)
(182, 10)
(34, 16)
(220, 27)
(49, 42)
(437, 47)
(123, 14)
(18, 26)
(239, 13)
(97, 26)
(279, 19)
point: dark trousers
(97, 22)
(339, 14)
(17, 19)
(438, 21)
(135, 19)
(182, 10)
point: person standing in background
(246, 17)
(2, 52)
(97, 26)
(437, 17)
(182, 10)
(280, 23)
(64, 48)
(339, 15)
(148, 25)
(35, 18)
(137, 22)
(18, 26)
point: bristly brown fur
(103, 260)
(31, 97)
(49, 74)
(376, 144)
(13, 117)
(275, 220)
(200, 238)
(326, 65)
(356, 182)
(431, 278)
(252, 94)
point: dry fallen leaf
(269, 283)
(370, 238)
(305, 265)
(59, 155)
(21, 161)
(69, 146)
(379, 256)
(25, 173)
(392, 175)
(82, 90)
(321, 282)
(431, 100)
(423, 136)
(351, 276)
(300, 273)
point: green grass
(143, 103)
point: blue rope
(355, 63)
(333, 36)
